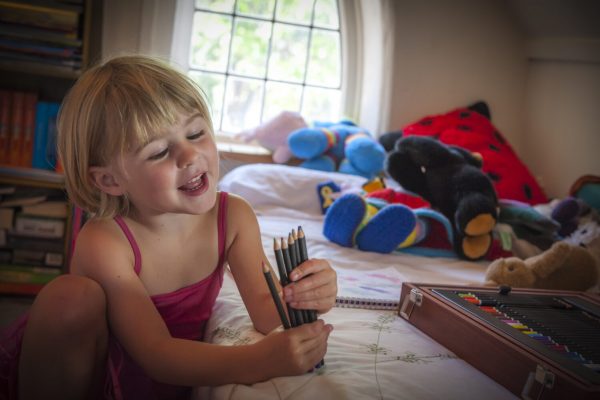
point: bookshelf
(45, 37)
(36, 229)
(45, 45)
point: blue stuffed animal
(341, 146)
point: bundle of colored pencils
(289, 254)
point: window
(256, 58)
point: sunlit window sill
(236, 150)
(231, 149)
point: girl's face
(175, 173)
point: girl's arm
(245, 256)
(105, 257)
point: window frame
(165, 28)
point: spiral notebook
(373, 289)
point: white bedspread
(372, 354)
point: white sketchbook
(373, 289)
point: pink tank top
(185, 312)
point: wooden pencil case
(529, 355)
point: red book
(20, 288)
(16, 128)
(28, 129)
(4, 125)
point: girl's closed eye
(159, 155)
(196, 135)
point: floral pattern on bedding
(369, 349)
(384, 325)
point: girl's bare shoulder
(240, 217)
(239, 211)
(101, 245)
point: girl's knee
(70, 303)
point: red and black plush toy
(471, 129)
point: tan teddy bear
(561, 267)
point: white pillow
(284, 186)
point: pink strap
(221, 226)
(137, 266)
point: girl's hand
(313, 287)
(295, 351)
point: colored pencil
(275, 295)
(288, 267)
(283, 278)
(303, 254)
(302, 245)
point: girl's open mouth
(197, 185)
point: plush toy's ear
(428, 152)
(473, 159)
(482, 108)
(388, 140)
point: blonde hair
(113, 108)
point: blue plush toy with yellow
(341, 146)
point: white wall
(121, 27)
(563, 122)
(452, 53)
(138, 26)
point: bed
(372, 354)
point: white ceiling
(558, 18)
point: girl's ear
(104, 179)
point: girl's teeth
(193, 184)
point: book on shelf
(42, 33)
(35, 174)
(53, 16)
(39, 35)
(44, 145)
(51, 209)
(15, 132)
(24, 195)
(26, 280)
(27, 131)
(18, 201)
(7, 216)
(4, 124)
(48, 228)
(5, 189)
(26, 150)
(40, 49)
(370, 289)
(15, 241)
(27, 274)
(29, 289)
(38, 258)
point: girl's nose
(187, 155)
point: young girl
(137, 146)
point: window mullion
(306, 61)
(233, 20)
(266, 78)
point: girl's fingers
(295, 293)
(319, 331)
(311, 266)
(322, 303)
(323, 278)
